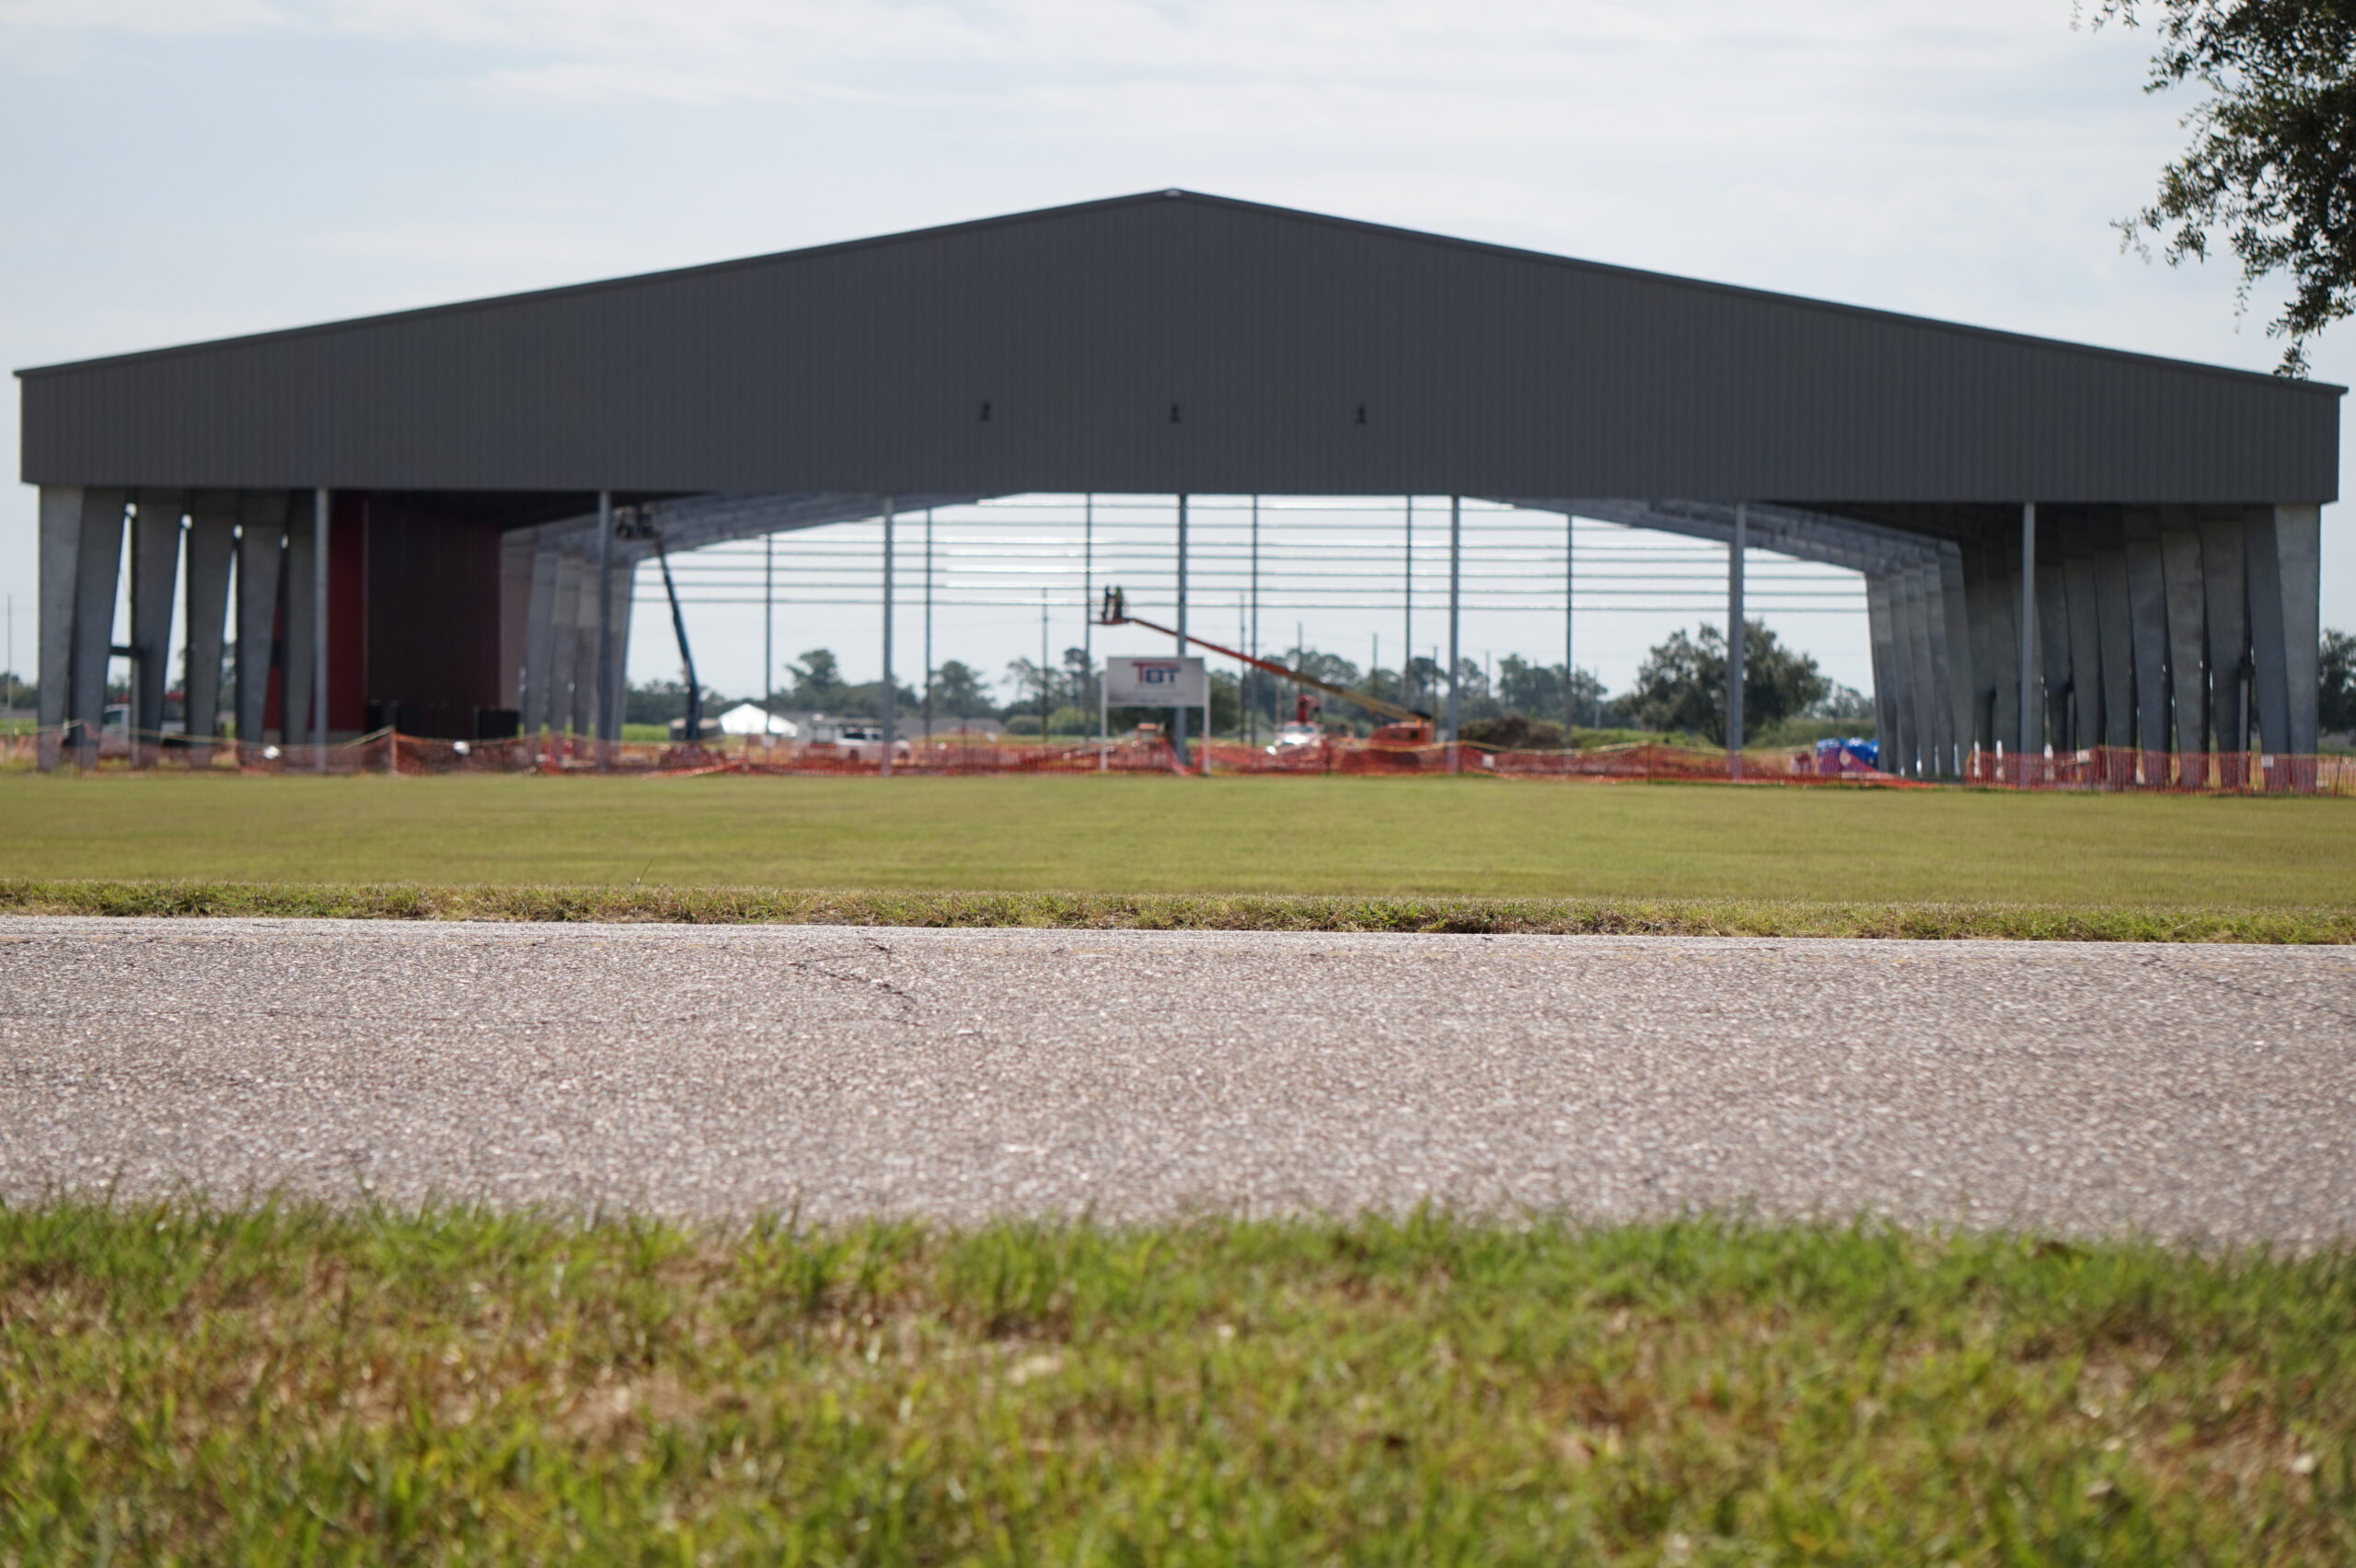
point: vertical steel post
(928, 626)
(1046, 678)
(768, 634)
(1735, 547)
(319, 625)
(883, 763)
(1455, 616)
(603, 688)
(1570, 661)
(1407, 596)
(1178, 724)
(1088, 594)
(1251, 677)
(2028, 628)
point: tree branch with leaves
(2271, 168)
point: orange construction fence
(2101, 770)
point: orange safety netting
(2101, 768)
(2126, 768)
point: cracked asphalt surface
(2193, 1092)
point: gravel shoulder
(2196, 1092)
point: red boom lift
(1407, 727)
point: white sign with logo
(1171, 682)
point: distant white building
(752, 718)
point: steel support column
(261, 564)
(96, 573)
(1406, 595)
(1455, 619)
(2030, 718)
(2226, 583)
(601, 709)
(321, 516)
(2187, 629)
(2147, 614)
(2085, 639)
(1882, 636)
(1951, 618)
(212, 546)
(2055, 640)
(1914, 620)
(1988, 609)
(619, 597)
(2298, 558)
(535, 703)
(1735, 638)
(1570, 645)
(2270, 647)
(2114, 615)
(61, 555)
(1178, 716)
(296, 708)
(154, 572)
(565, 672)
(582, 714)
(887, 703)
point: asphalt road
(2205, 1092)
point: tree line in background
(1512, 702)
(1680, 689)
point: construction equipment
(1408, 726)
(636, 524)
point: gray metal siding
(1483, 371)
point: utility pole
(768, 632)
(1046, 678)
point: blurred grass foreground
(287, 1384)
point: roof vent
(1361, 413)
(986, 411)
(1174, 418)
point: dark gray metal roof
(1175, 341)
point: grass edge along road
(1174, 912)
(284, 1383)
(1377, 838)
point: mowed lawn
(287, 1385)
(1368, 837)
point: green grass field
(279, 1385)
(282, 1386)
(1129, 835)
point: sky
(182, 170)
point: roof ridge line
(1295, 214)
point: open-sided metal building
(2144, 532)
